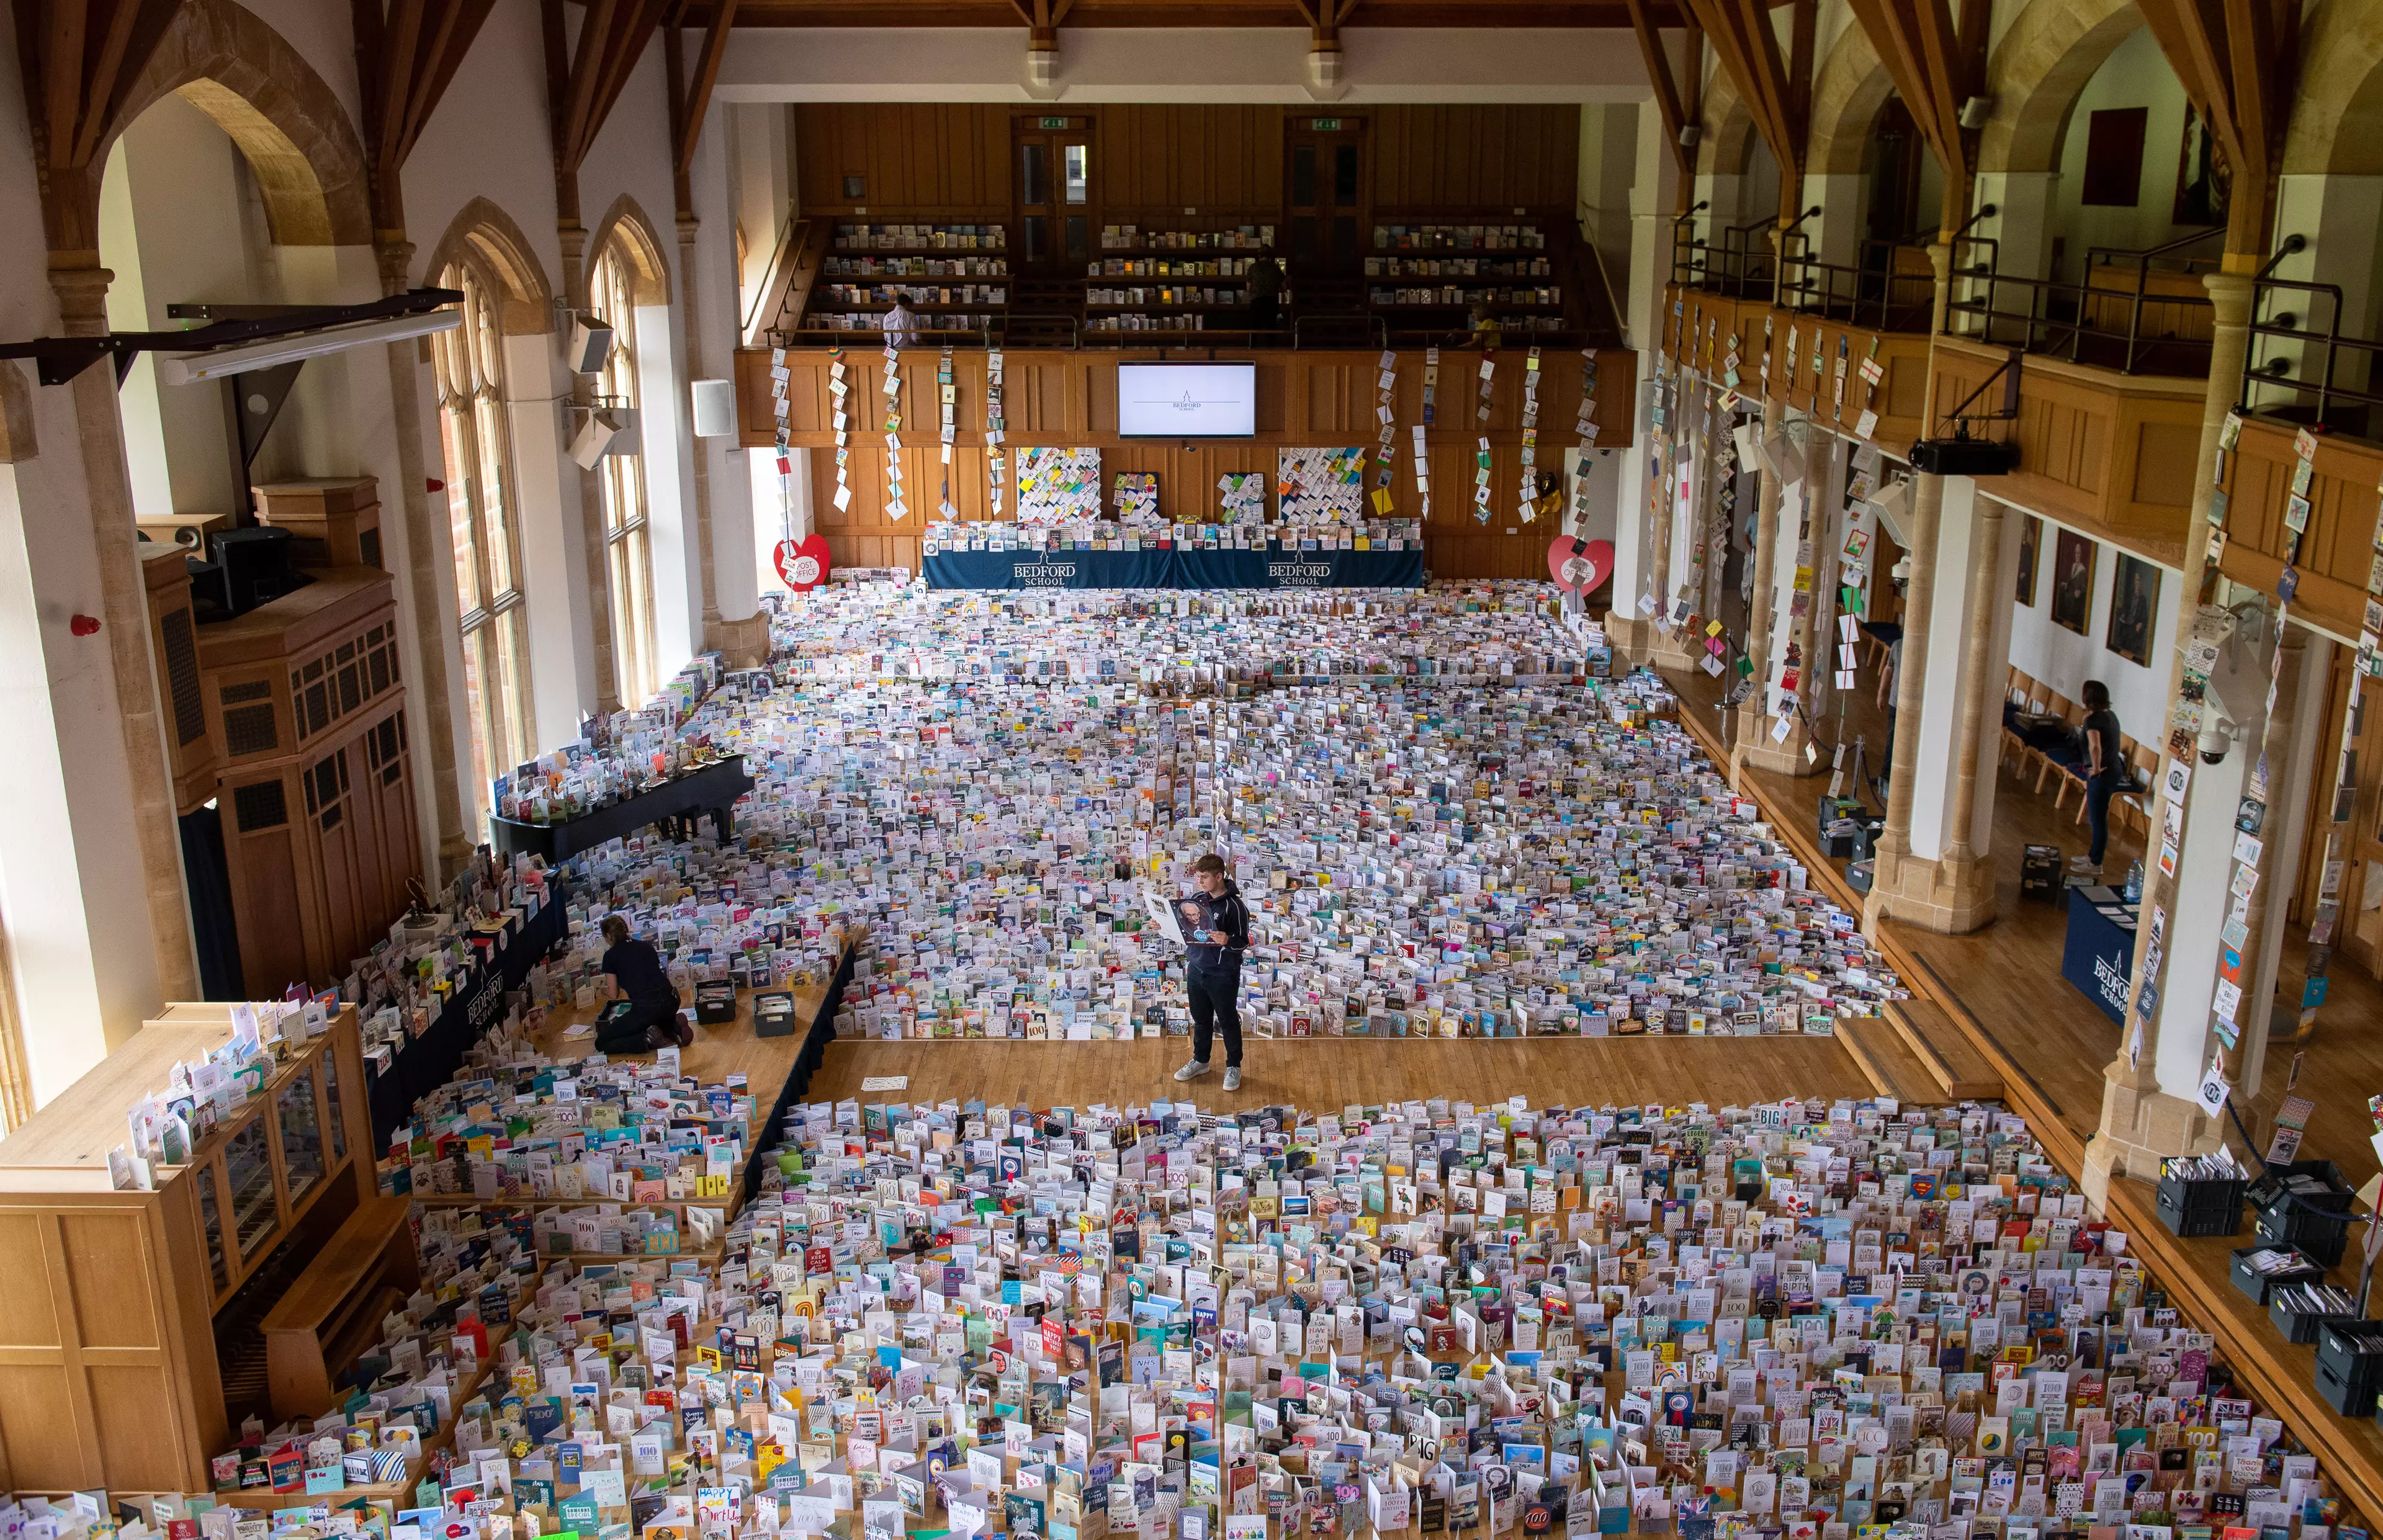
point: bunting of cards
(839, 390)
(1530, 477)
(895, 506)
(1585, 427)
(1386, 444)
(996, 428)
(947, 393)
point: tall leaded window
(627, 551)
(470, 365)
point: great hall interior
(897, 768)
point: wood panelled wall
(947, 161)
(2336, 549)
(1152, 161)
(1496, 158)
(1305, 400)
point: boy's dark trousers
(1214, 1004)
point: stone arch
(488, 234)
(2036, 75)
(2337, 127)
(648, 269)
(288, 125)
(1728, 129)
(1852, 86)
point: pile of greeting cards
(1814, 1320)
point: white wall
(81, 962)
(2061, 661)
(2135, 75)
(1182, 63)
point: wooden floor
(1334, 1073)
(2006, 977)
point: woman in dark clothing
(2104, 763)
(633, 971)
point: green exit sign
(1054, 122)
(1327, 125)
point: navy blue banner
(1175, 568)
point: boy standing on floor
(1215, 932)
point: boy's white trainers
(1192, 1070)
(1233, 1077)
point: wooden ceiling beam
(2238, 61)
(690, 100)
(407, 53)
(1776, 90)
(584, 80)
(1670, 100)
(1560, 14)
(77, 58)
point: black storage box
(2300, 1327)
(774, 1014)
(2349, 1364)
(1846, 829)
(2304, 1204)
(2039, 872)
(2255, 1284)
(715, 1002)
(2193, 1209)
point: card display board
(1058, 486)
(1320, 487)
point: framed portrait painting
(2134, 601)
(2031, 555)
(2072, 582)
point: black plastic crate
(774, 1014)
(2301, 1326)
(2307, 1204)
(715, 1002)
(2353, 1395)
(2190, 1207)
(2040, 872)
(2324, 1239)
(2255, 1285)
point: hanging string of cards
(1529, 491)
(839, 390)
(947, 396)
(781, 377)
(895, 506)
(996, 430)
(1586, 430)
(1385, 446)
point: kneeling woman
(633, 971)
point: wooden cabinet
(304, 701)
(109, 1367)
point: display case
(114, 1377)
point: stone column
(1965, 876)
(82, 311)
(2141, 1123)
(1671, 648)
(2262, 916)
(430, 545)
(1752, 718)
(591, 486)
(1895, 841)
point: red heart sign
(802, 564)
(1579, 565)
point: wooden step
(1961, 1071)
(1886, 1061)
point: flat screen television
(1187, 400)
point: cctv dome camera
(2213, 743)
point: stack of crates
(2349, 1365)
(2195, 1207)
(2304, 1204)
